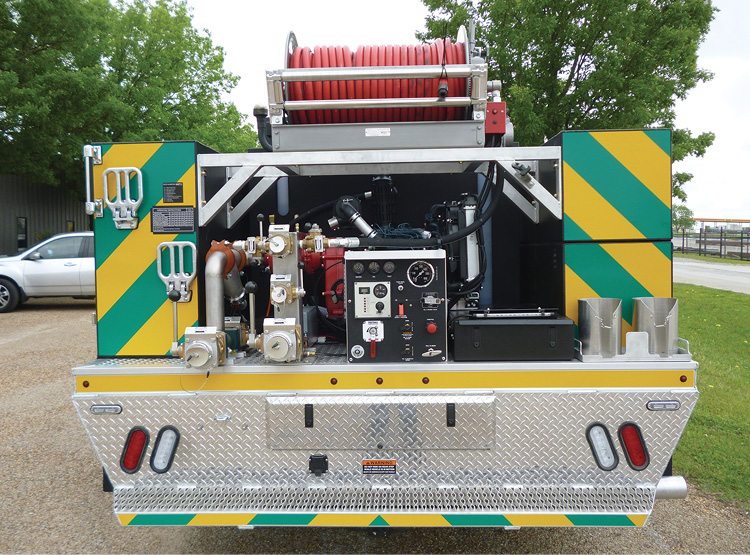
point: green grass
(710, 258)
(715, 449)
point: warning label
(371, 466)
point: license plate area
(412, 422)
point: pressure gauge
(420, 273)
(373, 267)
(380, 290)
(276, 244)
(358, 268)
(389, 267)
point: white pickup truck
(60, 266)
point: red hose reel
(438, 53)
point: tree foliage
(682, 217)
(589, 64)
(80, 71)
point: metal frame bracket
(517, 176)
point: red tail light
(634, 446)
(134, 450)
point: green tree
(682, 217)
(79, 71)
(582, 64)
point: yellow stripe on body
(539, 520)
(643, 158)
(150, 338)
(646, 263)
(221, 519)
(342, 520)
(575, 288)
(126, 519)
(638, 520)
(136, 253)
(352, 380)
(592, 212)
(122, 156)
(415, 520)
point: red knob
(431, 327)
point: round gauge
(358, 268)
(421, 273)
(380, 290)
(276, 244)
(373, 267)
(389, 267)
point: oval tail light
(633, 445)
(601, 446)
(165, 448)
(134, 450)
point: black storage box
(499, 339)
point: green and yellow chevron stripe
(133, 312)
(415, 520)
(617, 270)
(617, 185)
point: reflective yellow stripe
(646, 263)
(415, 520)
(122, 156)
(342, 520)
(221, 519)
(643, 158)
(126, 519)
(638, 520)
(151, 338)
(575, 288)
(221, 381)
(136, 253)
(539, 520)
(591, 211)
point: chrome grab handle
(177, 278)
(124, 208)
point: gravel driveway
(51, 499)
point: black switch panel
(396, 309)
(309, 416)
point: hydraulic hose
(438, 241)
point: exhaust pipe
(671, 487)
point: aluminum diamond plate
(231, 455)
(381, 421)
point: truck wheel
(9, 295)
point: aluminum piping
(215, 290)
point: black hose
(264, 127)
(438, 241)
(314, 211)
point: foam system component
(440, 52)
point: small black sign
(172, 219)
(173, 193)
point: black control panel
(396, 308)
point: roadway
(718, 275)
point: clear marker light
(601, 446)
(165, 448)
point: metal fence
(714, 242)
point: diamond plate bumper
(514, 456)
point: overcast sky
(254, 35)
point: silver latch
(124, 208)
(177, 278)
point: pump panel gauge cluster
(396, 309)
